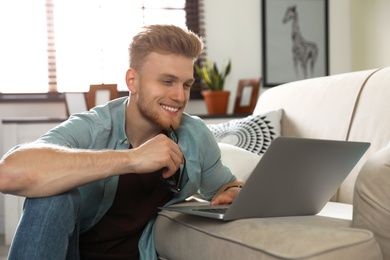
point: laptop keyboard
(217, 210)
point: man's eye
(167, 82)
(187, 86)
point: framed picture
(295, 40)
(246, 96)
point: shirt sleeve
(203, 156)
(214, 173)
(79, 131)
(102, 127)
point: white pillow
(240, 162)
(252, 133)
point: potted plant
(216, 98)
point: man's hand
(158, 153)
(226, 195)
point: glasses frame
(171, 182)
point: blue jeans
(48, 229)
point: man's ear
(131, 80)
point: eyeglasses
(171, 182)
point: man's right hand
(158, 153)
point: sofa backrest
(350, 106)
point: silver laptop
(295, 176)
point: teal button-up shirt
(104, 128)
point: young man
(94, 183)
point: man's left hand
(226, 195)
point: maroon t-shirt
(117, 234)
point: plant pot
(216, 101)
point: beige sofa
(354, 225)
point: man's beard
(154, 117)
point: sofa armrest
(371, 202)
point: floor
(3, 249)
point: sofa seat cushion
(181, 236)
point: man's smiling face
(164, 87)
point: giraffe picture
(304, 53)
(295, 35)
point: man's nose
(178, 93)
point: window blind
(77, 36)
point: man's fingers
(160, 153)
(173, 165)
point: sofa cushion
(371, 199)
(253, 133)
(231, 155)
(181, 236)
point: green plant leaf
(212, 76)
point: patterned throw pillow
(253, 133)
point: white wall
(340, 39)
(233, 31)
(370, 36)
